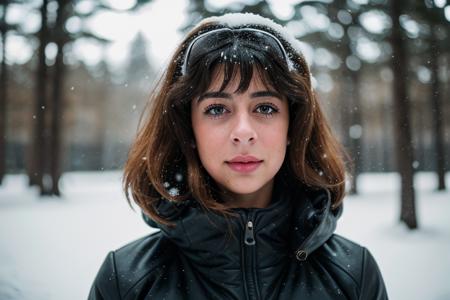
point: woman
(237, 167)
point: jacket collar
(297, 222)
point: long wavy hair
(163, 164)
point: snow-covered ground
(51, 249)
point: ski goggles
(221, 37)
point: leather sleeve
(105, 286)
(372, 284)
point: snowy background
(51, 249)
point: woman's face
(241, 138)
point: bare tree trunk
(55, 127)
(3, 95)
(420, 133)
(436, 110)
(102, 114)
(58, 98)
(345, 107)
(355, 138)
(350, 116)
(37, 157)
(402, 119)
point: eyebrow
(223, 95)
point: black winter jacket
(285, 251)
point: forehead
(238, 81)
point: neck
(258, 199)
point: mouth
(244, 164)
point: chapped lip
(244, 159)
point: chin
(244, 188)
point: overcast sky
(160, 21)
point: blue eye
(215, 110)
(266, 109)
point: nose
(243, 131)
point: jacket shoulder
(355, 266)
(130, 266)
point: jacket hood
(298, 221)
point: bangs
(228, 73)
(240, 58)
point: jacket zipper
(249, 262)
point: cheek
(208, 141)
(205, 135)
(276, 133)
(206, 144)
(275, 145)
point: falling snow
(178, 177)
(174, 192)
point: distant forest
(384, 88)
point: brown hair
(162, 164)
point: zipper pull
(249, 237)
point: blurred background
(76, 75)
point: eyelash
(209, 108)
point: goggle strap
(289, 62)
